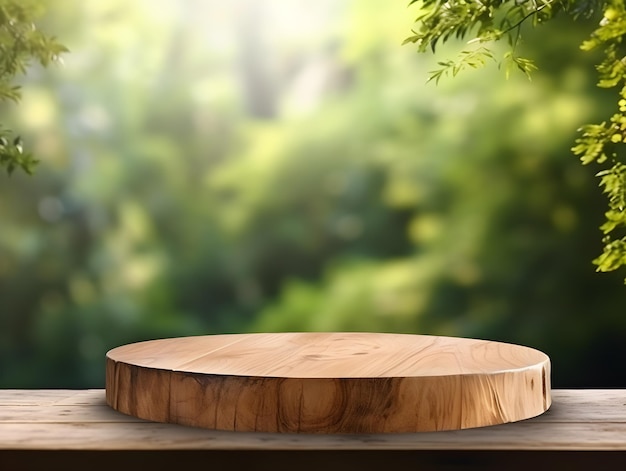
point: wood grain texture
(591, 420)
(328, 382)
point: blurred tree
(20, 42)
(493, 20)
(354, 198)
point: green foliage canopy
(487, 21)
(21, 42)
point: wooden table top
(81, 420)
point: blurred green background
(244, 166)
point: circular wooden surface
(328, 382)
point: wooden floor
(77, 429)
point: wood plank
(36, 396)
(607, 405)
(587, 405)
(142, 436)
(83, 397)
(328, 382)
(94, 413)
(80, 420)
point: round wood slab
(328, 382)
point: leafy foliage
(474, 59)
(166, 207)
(490, 21)
(20, 43)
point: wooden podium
(328, 382)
